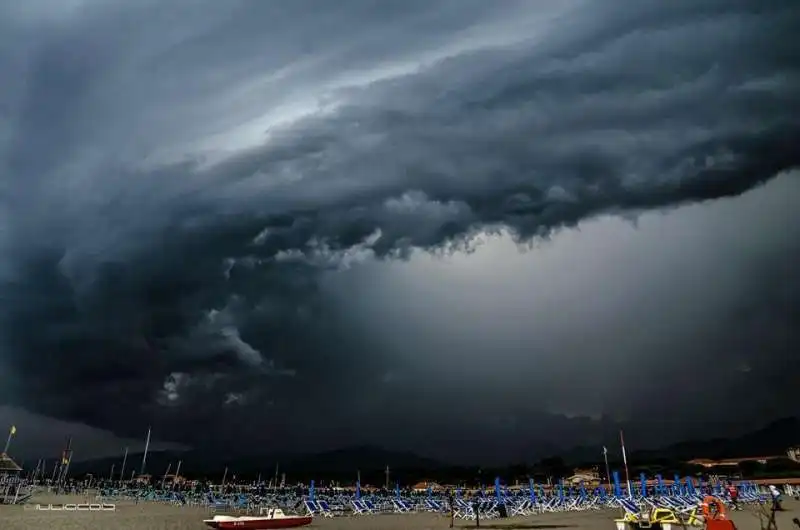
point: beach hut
(7, 465)
(12, 489)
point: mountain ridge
(771, 440)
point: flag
(605, 451)
(13, 430)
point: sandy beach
(153, 516)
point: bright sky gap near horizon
(467, 229)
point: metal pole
(122, 471)
(164, 479)
(66, 469)
(8, 440)
(146, 447)
(608, 469)
(625, 463)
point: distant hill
(342, 464)
(771, 440)
(367, 458)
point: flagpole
(625, 462)
(608, 469)
(66, 469)
(67, 460)
(66, 457)
(146, 447)
(164, 480)
(124, 461)
(11, 432)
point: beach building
(143, 479)
(173, 479)
(589, 477)
(423, 486)
(8, 466)
(12, 488)
(731, 462)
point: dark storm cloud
(667, 321)
(179, 179)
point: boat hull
(260, 524)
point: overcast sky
(457, 227)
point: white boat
(272, 518)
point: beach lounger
(399, 506)
(463, 509)
(520, 508)
(631, 510)
(324, 509)
(359, 508)
(488, 509)
(433, 506)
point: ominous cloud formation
(218, 212)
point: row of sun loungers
(679, 501)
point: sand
(152, 516)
